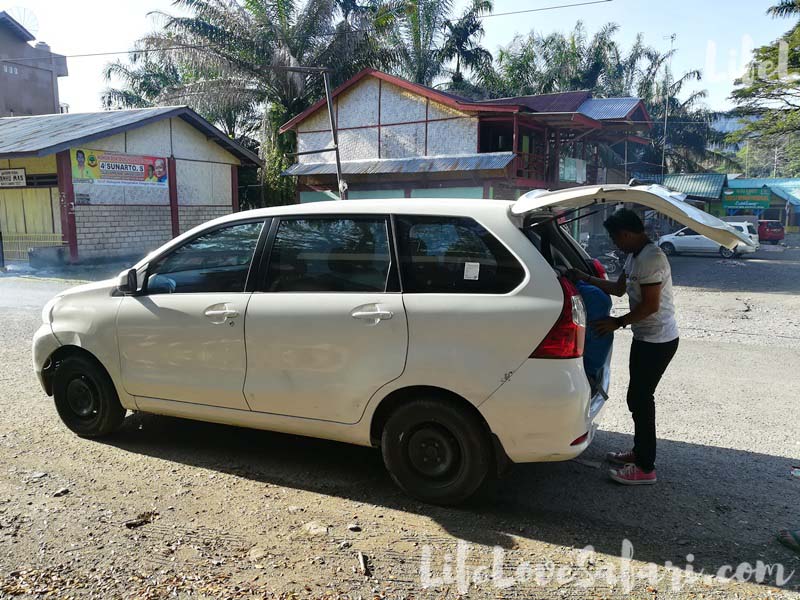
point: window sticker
(472, 271)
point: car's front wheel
(668, 248)
(85, 397)
(436, 450)
(726, 252)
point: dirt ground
(170, 508)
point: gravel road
(174, 508)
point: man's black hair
(623, 220)
(81, 152)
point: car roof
(449, 206)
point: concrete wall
(203, 178)
(30, 86)
(377, 119)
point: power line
(332, 34)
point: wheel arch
(59, 355)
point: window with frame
(218, 261)
(454, 255)
(321, 254)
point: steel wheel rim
(82, 397)
(433, 452)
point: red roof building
(398, 138)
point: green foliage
(770, 89)
(558, 62)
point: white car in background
(436, 329)
(689, 241)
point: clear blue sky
(734, 27)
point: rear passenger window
(454, 255)
(330, 255)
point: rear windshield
(773, 225)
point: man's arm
(614, 288)
(651, 302)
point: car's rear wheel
(726, 252)
(668, 249)
(436, 450)
(85, 397)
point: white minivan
(436, 329)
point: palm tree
(785, 8)
(424, 39)
(232, 58)
(462, 41)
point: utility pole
(775, 165)
(747, 160)
(666, 105)
(325, 72)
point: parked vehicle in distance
(771, 232)
(613, 261)
(438, 330)
(688, 241)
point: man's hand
(574, 275)
(605, 326)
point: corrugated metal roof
(608, 108)
(423, 164)
(19, 30)
(697, 185)
(560, 102)
(41, 135)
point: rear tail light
(566, 338)
(581, 439)
(599, 269)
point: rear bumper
(545, 406)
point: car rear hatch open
(654, 197)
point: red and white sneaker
(621, 458)
(633, 475)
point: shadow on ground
(721, 505)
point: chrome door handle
(371, 312)
(222, 313)
(219, 313)
(380, 315)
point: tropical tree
(462, 42)
(234, 61)
(557, 62)
(424, 39)
(770, 88)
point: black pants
(647, 365)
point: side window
(454, 255)
(214, 262)
(688, 231)
(330, 255)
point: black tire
(85, 397)
(726, 252)
(436, 451)
(668, 249)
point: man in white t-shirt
(647, 279)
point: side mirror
(128, 282)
